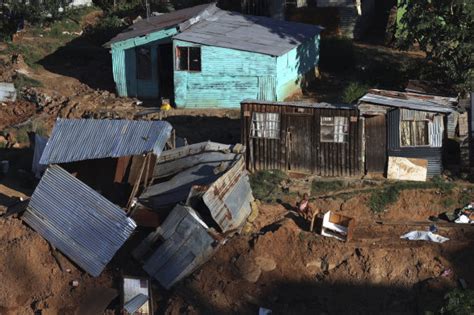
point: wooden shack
(315, 138)
(404, 124)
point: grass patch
(319, 187)
(265, 184)
(353, 92)
(22, 81)
(448, 203)
(380, 199)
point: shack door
(299, 142)
(375, 143)
(165, 70)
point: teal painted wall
(124, 64)
(296, 66)
(226, 78)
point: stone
(248, 269)
(265, 263)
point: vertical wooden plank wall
(328, 158)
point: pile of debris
(85, 204)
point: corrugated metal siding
(78, 221)
(186, 246)
(432, 154)
(267, 88)
(326, 158)
(7, 92)
(227, 76)
(229, 198)
(85, 139)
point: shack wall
(297, 67)
(314, 156)
(124, 64)
(227, 76)
(434, 155)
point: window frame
(412, 136)
(267, 132)
(330, 121)
(188, 49)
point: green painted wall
(124, 64)
(296, 66)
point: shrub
(380, 199)
(459, 302)
(265, 183)
(21, 81)
(319, 186)
(353, 92)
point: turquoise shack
(207, 57)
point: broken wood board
(96, 301)
(400, 168)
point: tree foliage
(444, 29)
(459, 302)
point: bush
(21, 81)
(265, 183)
(353, 92)
(459, 302)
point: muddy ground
(275, 263)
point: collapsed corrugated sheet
(221, 167)
(85, 139)
(7, 92)
(187, 237)
(186, 245)
(78, 221)
(135, 303)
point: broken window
(265, 125)
(414, 133)
(334, 129)
(188, 58)
(144, 66)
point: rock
(314, 266)
(265, 263)
(248, 269)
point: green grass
(265, 184)
(21, 81)
(380, 199)
(322, 186)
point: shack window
(143, 56)
(188, 58)
(414, 133)
(334, 129)
(265, 125)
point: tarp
(424, 236)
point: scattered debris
(96, 301)
(424, 236)
(338, 226)
(137, 295)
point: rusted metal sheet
(301, 146)
(229, 198)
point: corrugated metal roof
(249, 33)
(86, 139)
(410, 100)
(78, 221)
(135, 303)
(163, 21)
(186, 246)
(229, 197)
(7, 92)
(301, 104)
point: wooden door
(375, 144)
(299, 142)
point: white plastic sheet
(424, 236)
